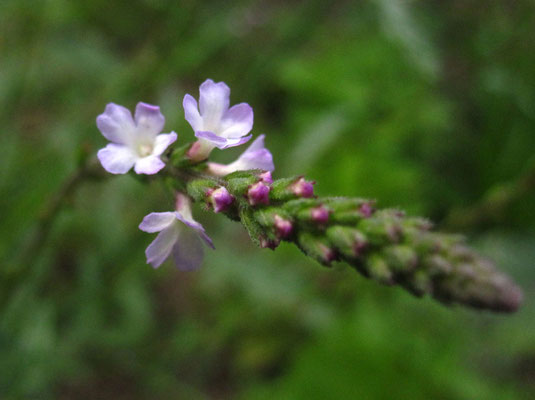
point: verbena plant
(382, 244)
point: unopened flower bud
(266, 177)
(350, 242)
(317, 247)
(303, 188)
(269, 243)
(220, 199)
(258, 193)
(377, 268)
(283, 226)
(366, 210)
(320, 214)
(329, 255)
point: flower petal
(213, 103)
(116, 124)
(238, 121)
(258, 144)
(162, 142)
(117, 158)
(148, 165)
(157, 221)
(232, 142)
(188, 252)
(191, 112)
(255, 157)
(191, 223)
(211, 137)
(259, 159)
(149, 120)
(162, 246)
(220, 142)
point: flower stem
(88, 169)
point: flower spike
(381, 244)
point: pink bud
(269, 243)
(359, 247)
(266, 177)
(328, 254)
(303, 188)
(366, 210)
(283, 226)
(320, 215)
(258, 193)
(221, 199)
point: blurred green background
(425, 105)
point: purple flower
(135, 142)
(256, 156)
(180, 235)
(214, 123)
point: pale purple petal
(116, 124)
(238, 121)
(195, 226)
(256, 156)
(191, 112)
(149, 121)
(211, 137)
(148, 165)
(232, 142)
(157, 221)
(162, 142)
(162, 246)
(188, 251)
(116, 158)
(258, 144)
(220, 142)
(213, 102)
(259, 159)
(202, 234)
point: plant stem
(89, 169)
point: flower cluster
(137, 142)
(381, 244)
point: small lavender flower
(136, 142)
(213, 122)
(179, 235)
(256, 156)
